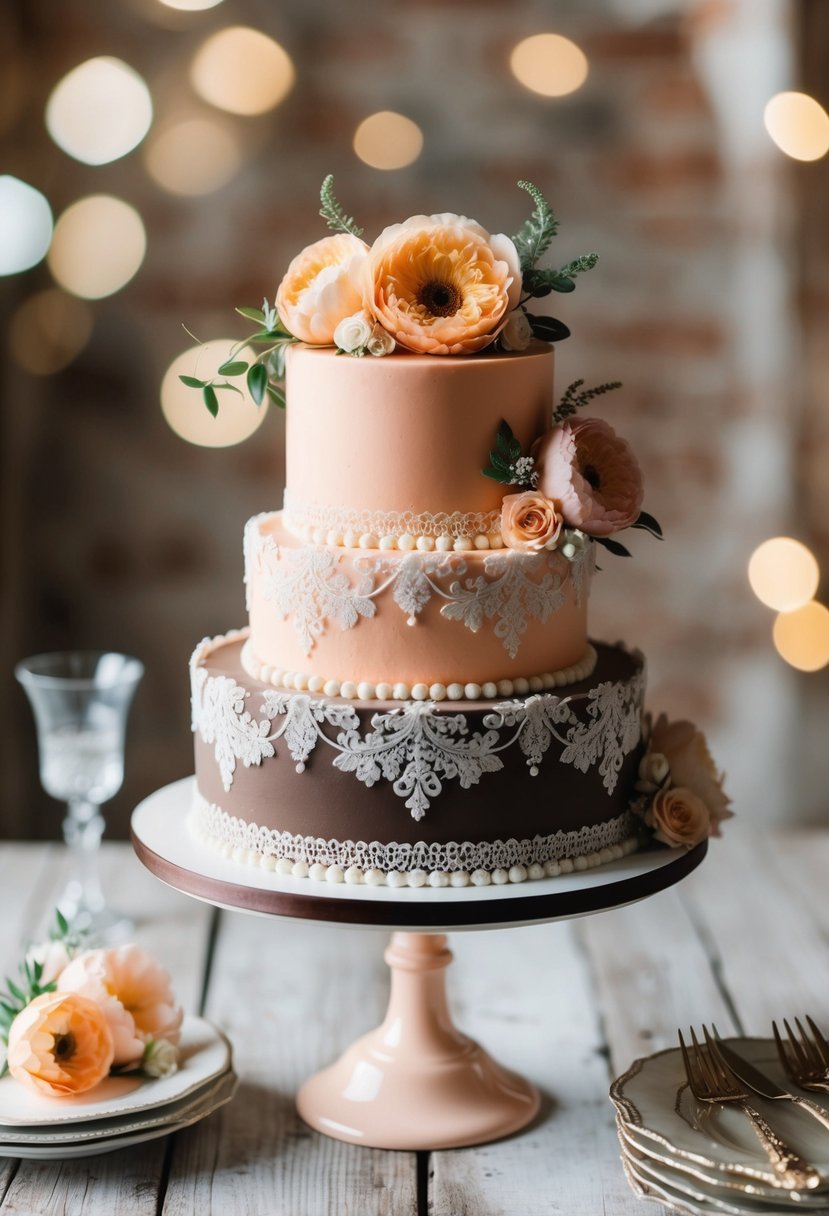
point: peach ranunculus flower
(530, 522)
(592, 473)
(692, 766)
(678, 817)
(60, 1045)
(135, 994)
(321, 287)
(441, 285)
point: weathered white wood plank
(175, 929)
(25, 871)
(291, 997)
(525, 995)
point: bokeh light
(184, 408)
(25, 225)
(549, 64)
(193, 156)
(190, 6)
(783, 573)
(242, 70)
(100, 111)
(98, 245)
(386, 140)
(48, 330)
(798, 124)
(802, 637)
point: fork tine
(809, 1048)
(686, 1060)
(708, 1073)
(799, 1054)
(820, 1041)
(782, 1050)
(723, 1072)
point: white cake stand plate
(416, 1082)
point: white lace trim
(416, 746)
(306, 519)
(251, 843)
(320, 586)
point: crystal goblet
(80, 701)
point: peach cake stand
(416, 1082)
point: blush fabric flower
(592, 473)
(692, 766)
(530, 522)
(678, 818)
(60, 1045)
(135, 994)
(321, 287)
(441, 284)
(517, 334)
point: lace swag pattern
(416, 747)
(312, 588)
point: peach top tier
(405, 434)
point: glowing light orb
(100, 111)
(184, 408)
(193, 156)
(802, 637)
(98, 246)
(388, 141)
(25, 225)
(549, 64)
(242, 71)
(783, 573)
(190, 6)
(48, 330)
(798, 124)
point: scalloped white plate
(205, 1054)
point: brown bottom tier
(416, 793)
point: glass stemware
(80, 701)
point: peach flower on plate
(321, 287)
(692, 765)
(60, 1045)
(441, 284)
(593, 474)
(530, 522)
(136, 996)
(678, 818)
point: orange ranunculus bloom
(60, 1045)
(441, 285)
(321, 287)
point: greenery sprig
(507, 464)
(332, 210)
(574, 397)
(535, 235)
(265, 375)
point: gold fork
(711, 1080)
(804, 1059)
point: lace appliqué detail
(302, 518)
(451, 857)
(310, 585)
(418, 747)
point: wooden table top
(569, 1005)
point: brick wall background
(709, 303)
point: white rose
(381, 342)
(353, 333)
(160, 1058)
(52, 956)
(653, 769)
(517, 333)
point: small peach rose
(593, 474)
(529, 522)
(692, 766)
(60, 1045)
(322, 286)
(441, 285)
(135, 994)
(678, 817)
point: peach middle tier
(385, 575)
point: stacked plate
(121, 1111)
(698, 1158)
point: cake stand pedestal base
(416, 1082)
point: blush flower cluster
(682, 800)
(90, 1012)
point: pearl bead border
(435, 879)
(406, 542)
(365, 690)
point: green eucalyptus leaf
(15, 991)
(234, 388)
(233, 367)
(276, 395)
(62, 922)
(548, 329)
(252, 314)
(210, 399)
(191, 382)
(257, 381)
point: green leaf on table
(257, 381)
(233, 367)
(191, 382)
(210, 399)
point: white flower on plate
(353, 333)
(381, 342)
(517, 333)
(160, 1058)
(52, 956)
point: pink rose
(678, 818)
(322, 286)
(692, 766)
(593, 475)
(529, 522)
